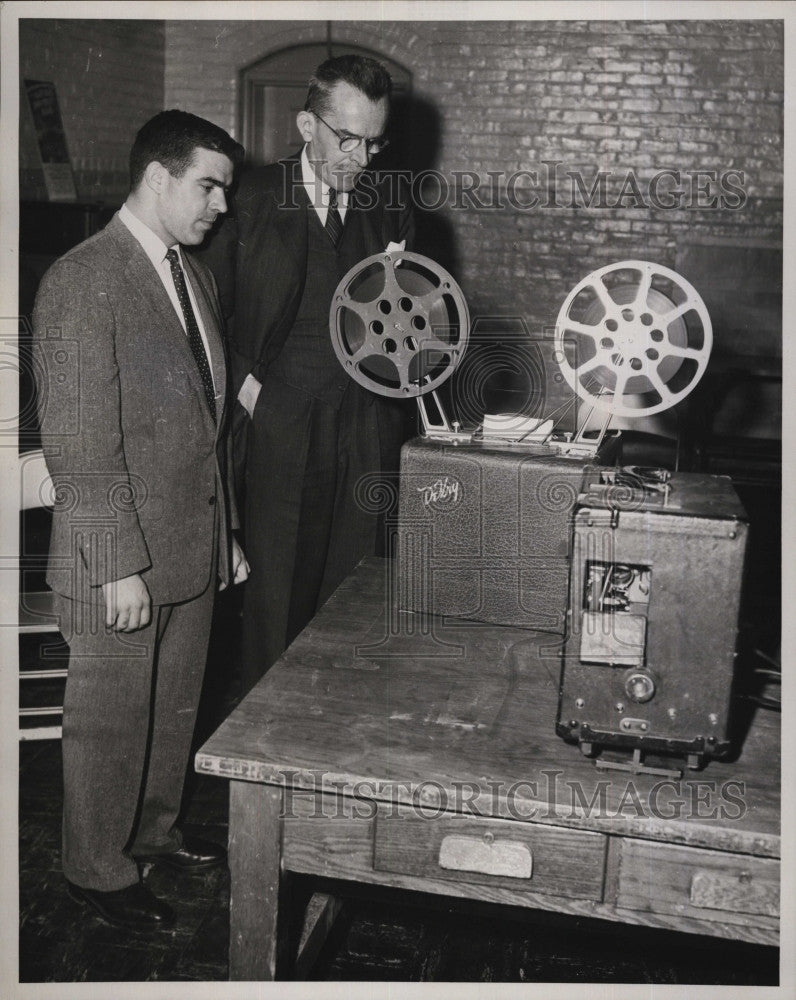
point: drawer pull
(486, 855)
(739, 892)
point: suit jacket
(139, 465)
(259, 255)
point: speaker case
(483, 531)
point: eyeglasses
(348, 142)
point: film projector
(524, 520)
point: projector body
(652, 615)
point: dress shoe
(133, 907)
(195, 855)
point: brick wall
(608, 103)
(625, 98)
(109, 79)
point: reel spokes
(633, 338)
(399, 324)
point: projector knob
(639, 687)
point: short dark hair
(171, 138)
(361, 72)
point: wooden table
(395, 749)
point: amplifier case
(678, 651)
(483, 531)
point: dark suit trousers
(307, 517)
(129, 713)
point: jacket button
(211, 501)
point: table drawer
(527, 857)
(689, 881)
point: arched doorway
(274, 88)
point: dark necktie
(192, 329)
(334, 224)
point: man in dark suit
(133, 404)
(313, 433)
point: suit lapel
(140, 272)
(142, 276)
(368, 219)
(291, 215)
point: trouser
(129, 713)
(310, 515)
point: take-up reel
(632, 339)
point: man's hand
(128, 605)
(247, 397)
(240, 568)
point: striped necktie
(192, 329)
(334, 224)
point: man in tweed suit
(133, 407)
(312, 432)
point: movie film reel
(633, 338)
(399, 324)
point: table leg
(255, 858)
(319, 919)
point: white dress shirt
(154, 247)
(318, 190)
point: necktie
(334, 224)
(192, 329)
